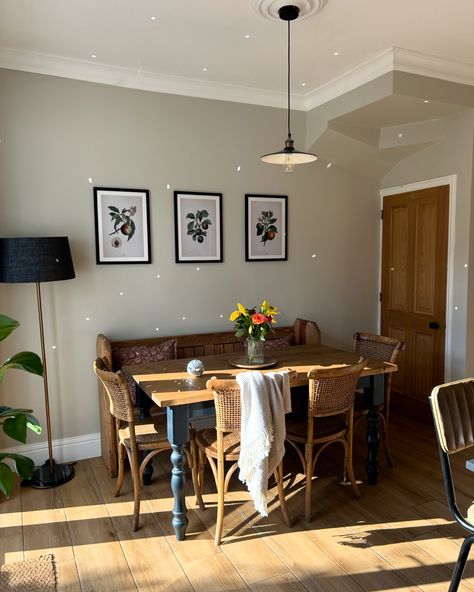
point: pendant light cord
(289, 69)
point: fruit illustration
(266, 226)
(122, 221)
(199, 225)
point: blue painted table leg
(374, 398)
(178, 435)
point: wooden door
(414, 272)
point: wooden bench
(188, 346)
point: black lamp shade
(35, 259)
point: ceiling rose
(269, 8)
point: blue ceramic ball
(195, 367)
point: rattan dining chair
(385, 349)
(330, 420)
(222, 443)
(146, 437)
(452, 406)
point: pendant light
(289, 156)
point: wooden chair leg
(386, 447)
(309, 481)
(278, 474)
(136, 489)
(348, 448)
(220, 500)
(195, 473)
(121, 462)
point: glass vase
(255, 351)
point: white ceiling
(168, 54)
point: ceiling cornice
(392, 59)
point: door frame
(450, 180)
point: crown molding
(51, 65)
(394, 58)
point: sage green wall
(56, 133)
(452, 156)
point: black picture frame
(122, 225)
(198, 227)
(266, 227)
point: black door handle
(433, 325)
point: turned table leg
(178, 435)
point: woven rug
(32, 575)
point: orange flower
(258, 318)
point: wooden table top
(168, 383)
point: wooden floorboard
(398, 537)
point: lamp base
(45, 478)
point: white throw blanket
(265, 398)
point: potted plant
(15, 422)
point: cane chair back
(330, 419)
(146, 437)
(385, 349)
(331, 391)
(222, 443)
(452, 406)
(117, 391)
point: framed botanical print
(266, 222)
(198, 227)
(122, 226)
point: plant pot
(255, 351)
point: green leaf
(33, 424)
(208, 221)
(24, 361)
(272, 220)
(114, 209)
(15, 427)
(6, 479)
(191, 216)
(259, 229)
(194, 237)
(274, 228)
(133, 227)
(23, 466)
(11, 411)
(190, 225)
(7, 325)
(204, 213)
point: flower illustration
(122, 221)
(199, 225)
(266, 226)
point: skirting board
(64, 450)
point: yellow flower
(235, 315)
(242, 309)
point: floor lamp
(37, 260)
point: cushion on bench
(140, 354)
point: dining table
(186, 397)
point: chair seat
(207, 440)
(325, 428)
(150, 433)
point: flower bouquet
(254, 324)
